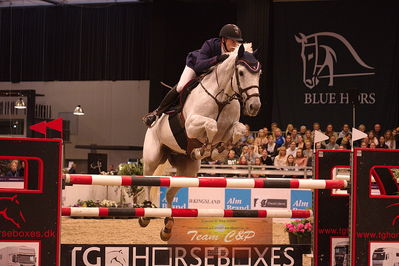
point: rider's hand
(221, 58)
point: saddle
(177, 120)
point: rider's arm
(207, 56)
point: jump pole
(167, 212)
(167, 181)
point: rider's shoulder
(213, 42)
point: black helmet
(231, 31)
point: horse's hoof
(169, 221)
(165, 236)
(143, 221)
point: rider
(213, 51)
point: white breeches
(187, 75)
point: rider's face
(230, 44)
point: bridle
(237, 95)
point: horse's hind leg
(184, 167)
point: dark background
(149, 40)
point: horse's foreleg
(166, 232)
(204, 129)
(238, 130)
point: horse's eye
(241, 73)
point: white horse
(211, 113)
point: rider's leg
(187, 75)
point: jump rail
(165, 212)
(167, 181)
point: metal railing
(251, 170)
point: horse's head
(309, 59)
(12, 212)
(245, 81)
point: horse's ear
(241, 51)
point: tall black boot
(167, 101)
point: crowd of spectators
(294, 146)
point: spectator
(372, 145)
(288, 130)
(300, 144)
(292, 149)
(362, 128)
(308, 136)
(390, 139)
(332, 144)
(273, 127)
(372, 138)
(288, 141)
(281, 158)
(345, 142)
(330, 131)
(279, 138)
(13, 169)
(247, 135)
(231, 158)
(381, 144)
(261, 139)
(72, 170)
(271, 147)
(244, 150)
(308, 152)
(294, 135)
(377, 130)
(302, 130)
(300, 160)
(316, 126)
(345, 131)
(251, 155)
(242, 161)
(290, 161)
(363, 145)
(266, 158)
(257, 163)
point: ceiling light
(78, 111)
(20, 104)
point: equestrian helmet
(231, 31)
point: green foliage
(129, 170)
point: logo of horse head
(318, 57)
(397, 216)
(11, 211)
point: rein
(236, 96)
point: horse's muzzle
(253, 107)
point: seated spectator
(362, 128)
(271, 147)
(251, 155)
(345, 131)
(288, 141)
(302, 130)
(13, 172)
(294, 135)
(363, 145)
(288, 130)
(332, 144)
(308, 152)
(244, 150)
(390, 139)
(330, 132)
(381, 144)
(342, 147)
(377, 130)
(261, 139)
(372, 145)
(273, 127)
(266, 158)
(280, 140)
(243, 161)
(372, 138)
(290, 161)
(300, 160)
(292, 149)
(316, 127)
(247, 136)
(231, 158)
(300, 143)
(308, 136)
(281, 158)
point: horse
(11, 211)
(211, 118)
